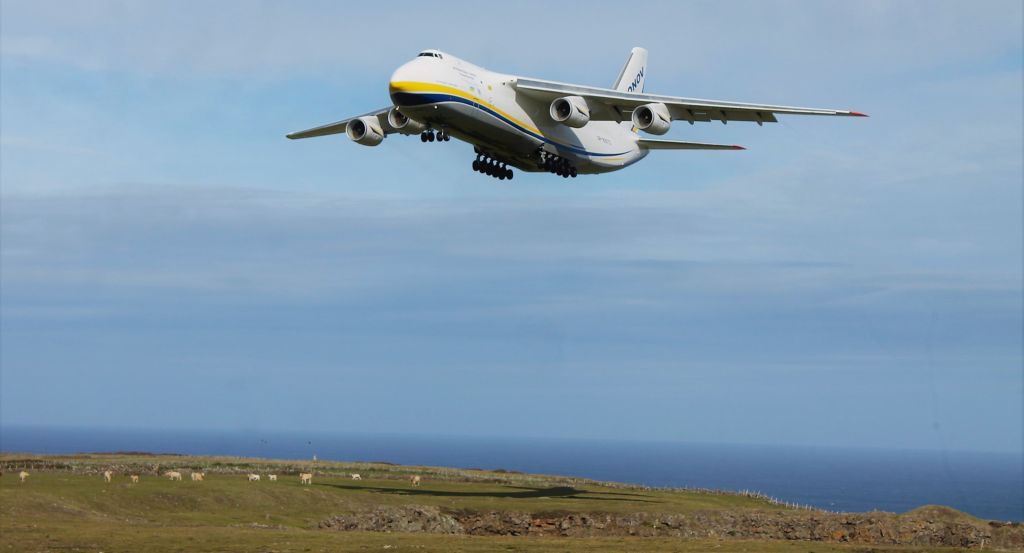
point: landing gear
(491, 167)
(556, 164)
(429, 136)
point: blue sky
(169, 260)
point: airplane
(538, 125)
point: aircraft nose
(400, 74)
(404, 74)
(400, 79)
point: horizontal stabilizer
(656, 144)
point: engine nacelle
(365, 130)
(652, 118)
(570, 110)
(403, 124)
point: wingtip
(859, 114)
(737, 147)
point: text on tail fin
(632, 76)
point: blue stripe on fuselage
(427, 98)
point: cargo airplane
(537, 125)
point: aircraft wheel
(476, 165)
(508, 174)
(423, 137)
(573, 172)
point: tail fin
(631, 79)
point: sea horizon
(988, 485)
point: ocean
(986, 485)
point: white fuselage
(483, 108)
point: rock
(408, 518)
(928, 528)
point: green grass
(333, 491)
(72, 511)
(231, 499)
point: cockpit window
(430, 55)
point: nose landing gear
(429, 136)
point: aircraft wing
(656, 144)
(340, 126)
(613, 105)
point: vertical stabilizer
(632, 77)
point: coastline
(986, 485)
(450, 502)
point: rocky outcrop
(409, 518)
(921, 528)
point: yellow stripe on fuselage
(413, 86)
(421, 87)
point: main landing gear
(429, 136)
(488, 166)
(558, 165)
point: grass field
(74, 510)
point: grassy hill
(65, 505)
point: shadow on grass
(560, 492)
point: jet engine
(570, 110)
(403, 124)
(652, 118)
(365, 130)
